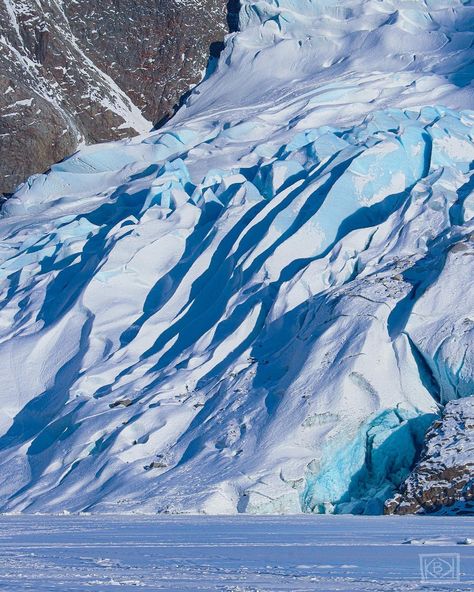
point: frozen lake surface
(233, 554)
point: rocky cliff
(443, 480)
(84, 71)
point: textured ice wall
(246, 338)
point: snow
(228, 554)
(273, 279)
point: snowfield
(231, 554)
(261, 307)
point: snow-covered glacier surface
(261, 307)
(232, 553)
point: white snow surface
(261, 306)
(231, 553)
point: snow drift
(261, 307)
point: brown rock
(94, 71)
(443, 480)
(121, 403)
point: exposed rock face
(443, 480)
(90, 71)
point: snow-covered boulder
(443, 479)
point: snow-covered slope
(261, 307)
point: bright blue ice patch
(361, 474)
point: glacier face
(261, 307)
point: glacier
(262, 306)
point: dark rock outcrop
(443, 480)
(91, 71)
